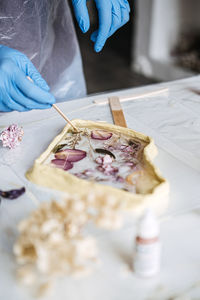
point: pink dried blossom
(107, 169)
(130, 164)
(115, 146)
(99, 160)
(110, 170)
(105, 165)
(107, 159)
(11, 136)
(100, 169)
(110, 148)
(125, 148)
(122, 147)
(86, 174)
(120, 179)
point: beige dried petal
(85, 249)
(25, 252)
(49, 226)
(50, 238)
(17, 249)
(111, 221)
(81, 219)
(78, 206)
(23, 225)
(45, 289)
(42, 259)
(81, 271)
(72, 230)
(55, 238)
(26, 275)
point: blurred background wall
(161, 42)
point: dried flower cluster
(105, 165)
(118, 157)
(51, 240)
(11, 136)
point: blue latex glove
(16, 91)
(113, 14)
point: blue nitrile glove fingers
(120, 16)
(4, 108)
(104, 8)
(113, 14)
(16, 91)
(125, 11)
(25, 101)
(32, 91)
(81, 14)
(25, 65)
(32, 72)
(6, 85)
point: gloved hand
(16, 91)
(112, 15)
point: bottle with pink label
(147, 253)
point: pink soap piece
(11, 136)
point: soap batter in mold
(103, 158)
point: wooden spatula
(117, 112)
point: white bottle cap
(148, 227)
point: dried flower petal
(62, 164)
(101, 135)
(120, 179)
(99, 160)
(86, 174)
(12, 194)
(107, 159)
(108, 169)
(71, 155)
(128, 149)
(11, 136)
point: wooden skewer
(117, 112)
(64, 117)
(59, 111)
(124, 98)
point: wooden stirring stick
(117, 112)
(124, 98)
(60, 112)
(64, 117)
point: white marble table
(173, 120)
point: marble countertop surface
(172, 118)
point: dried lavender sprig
(12, 194)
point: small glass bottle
(147, 256)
